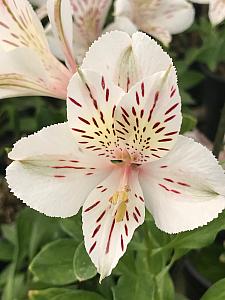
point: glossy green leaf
(63, 294)
(54, 263)
(188, 123)
(82, 264)
(72, 227)
(216, 292)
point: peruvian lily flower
(27, 66)
(159, 18)
(216, 10)
(119, 152)
(89, 17)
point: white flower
(89, 17)
(119, 152)
(216, 10)
(27, 66)
(159, 18)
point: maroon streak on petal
(103, 83)
(169, 119)
(126, 229)
(92, 247)
(78, 130)
(75, 102)
(92, 206)
(171, 108)
(107, 95)
(143, 89)
(84, 120)
(96, 231)
(183, 184)
(165, 140)
(109, 237)
(121, 242)
(135, 217)
(101, 216)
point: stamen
(114, 199)
(121, 211)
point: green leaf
(6, 250)
(200, 237)
(135, 287)
(9, 233)
(54, 263)
(188, 124)
(215, 292)
(82, 264)
(63, 294)
(41, 230)
(191, 78)
(72, 226)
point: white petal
(148, 117)
(172, 16)
(123, 24)
(185, 189)
(118, 56)
(105, 239)
(20, 26)
(60, 15)
(91, 104)
(22, 73)
(89, 19)
(50, 174)
(217, 11)
(175, 16)
(54, 43)
(162, 35)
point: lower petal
(106, 237)
(185, 189)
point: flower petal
(148, 118)
(22, 73)
(171, 16)
(91, 104)
(50, 173)
(216, 11)
(126, 60)
(20, 26)
(161, 34)
(105, 238)
(123, 24)
(185, 189)
(89, 19)
(60, 15)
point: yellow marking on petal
(121, 211)
(114, 199)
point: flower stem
(220, 134)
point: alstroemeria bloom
(159, 18)
(27, 66)
(89, 17)
(216, 10)
(119, 152)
